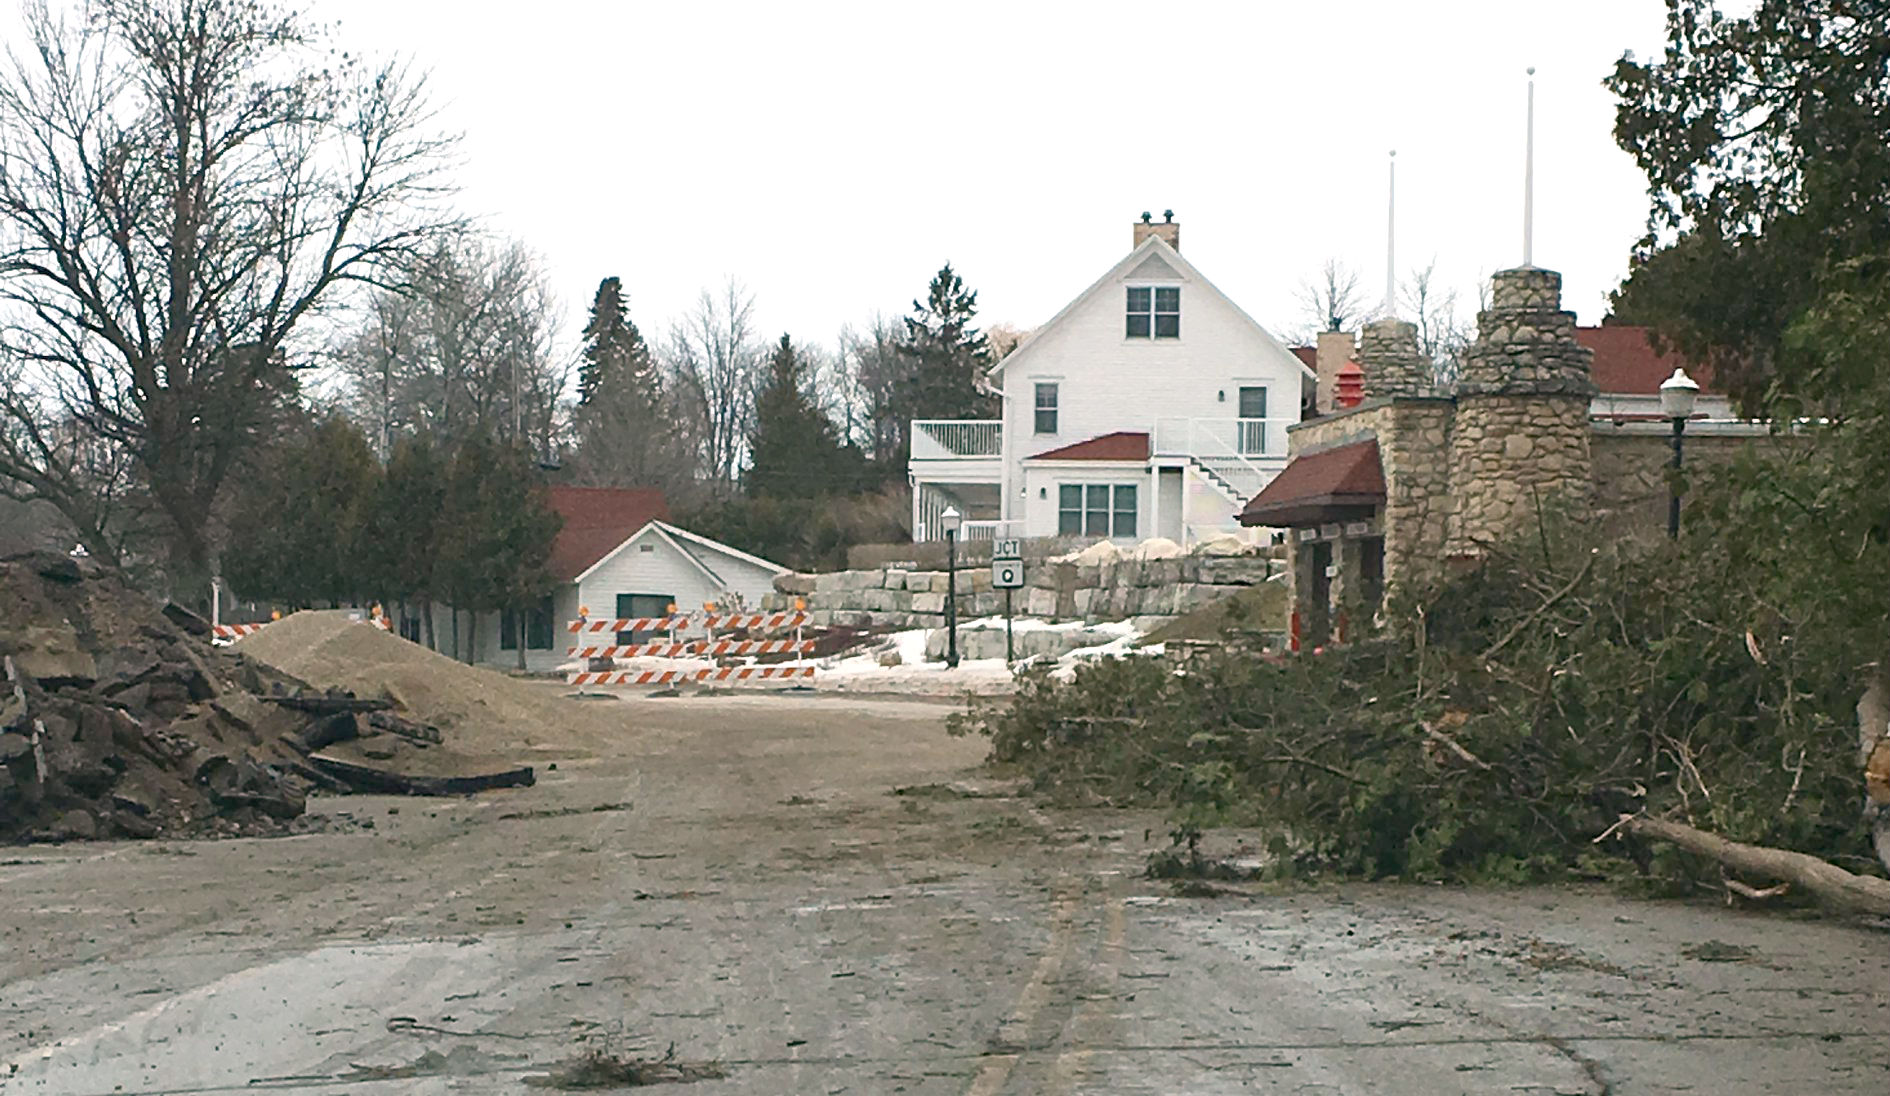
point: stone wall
(1630, 472)
(1117, 590)
(1511, 454)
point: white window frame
(1037, 406)
(1154, 313)
(1112, 511)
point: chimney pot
(1169, 230)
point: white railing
(1241, 455)
(957, 439)
(990, 530)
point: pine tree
(949, 355)
(624, 438)
(795, 452)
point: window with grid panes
(1046, 408)
(1154, 312)
(1096, 509)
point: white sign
(1007, 574)
(1007, 548)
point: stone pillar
(1394, 366)
(1520, 439)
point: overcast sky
(832, 155)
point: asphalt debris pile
(119, 719)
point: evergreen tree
(795, 452)
(949, 355)
(400, 544)
(624, 436)
(297, 528)
(496, 531)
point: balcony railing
(957, 439)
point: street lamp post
(951, 521)
(1677, 394)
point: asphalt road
(733, 877)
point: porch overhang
(1341, 484)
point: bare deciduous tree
(714, 362)
(874, 372)
(462, 346)
(1332, 302)
(183, 184)
(1442, 332)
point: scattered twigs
(1525, 623)
(1453, 746)
(1747, 890)
(1830, 883)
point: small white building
(1151, 405)
(616, 557)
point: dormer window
(1154, 312)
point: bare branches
(714, 358)
(1333, 301)
(181, 191)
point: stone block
(928, 603)
(796, 583)
(829, 582)
(1040, 603)
(1085, 601)
(1234, 570)
(895, 579)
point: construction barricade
(675, 626)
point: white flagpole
(1391, 240)
(1529, 178)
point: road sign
(1007, 574)
(1007, 548)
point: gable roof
(1626, 363)
(699, 541)
(1121, 445)
(597, 521)
(691, 546)
(1154, 247)
(1308, 355)
(1324, 485)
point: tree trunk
(519, 623)
(455, 632)
(1830, 883)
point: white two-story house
(1151, 405)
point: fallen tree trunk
(1830, 883)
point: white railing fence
(990, 530)
(1227, 449)
(950, 439)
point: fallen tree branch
(1453, 745)
(1830, 883)
(1524, 624)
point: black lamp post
(951, 521)
(1677, 394)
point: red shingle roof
(1121, 445)
(1626, 363)
(596, 520)
(1308, 355)
(1327, 485)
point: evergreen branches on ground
(1508, 718)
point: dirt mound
(483, 708)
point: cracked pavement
(731, 877)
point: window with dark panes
(538, 628)
(1046, 409)
(1096, 510)
(1124, 523)
(1069, 510)
(1141, 310)
(1154, 312)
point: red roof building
(596, 521)
(1337, 484)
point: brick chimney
(1168, 229)
(1334, 349)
